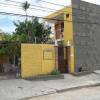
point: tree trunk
(27, 27)
(14, 60)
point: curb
(64, 90)
(82, 73)
(27, 98)
(45, 77)
(96, 73)
(78, 87)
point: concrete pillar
(56, 57)
(70, 57)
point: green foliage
(13, 50)
(80, 69)
(21, 38)
(10, 49)
(61, 43)
(2, 51)
(25, 5)
(34, 31)
(55, 72)
(6, 37)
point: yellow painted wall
(68, 31)
(68, 36)
(48, 61)
(68, 23)
(37, 59)
(68, 26)
(72, 59)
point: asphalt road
(91, 93)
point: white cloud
(53, 6)
(93, 1)
(32, 12)
(8, 29)
(36, 12)
(30, 1)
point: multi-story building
(79, 25)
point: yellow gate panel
(48, 61)
(31, 63)
(37, 59)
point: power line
(54, 10)
(60, 12)
(54, 19)
(66, 6)
(53, 3)
(44, 10)
(13, 14)
(47, 8)
(41, 9)
(20, 7)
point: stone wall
(86, 28)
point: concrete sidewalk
(97, 72)
(18, 88)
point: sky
(6, 21)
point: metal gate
(62, 59)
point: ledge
(45, 77)
(81, 73)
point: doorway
(63, 59)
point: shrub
(80, 69)
(55, 72)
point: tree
(25, 7)
(6, 37)
(11, 45)
(21, 38)
(38, 32)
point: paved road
(91, 93)
(16, 89)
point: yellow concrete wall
(68, 36)
(72, 59)
(48, 61)
(68, 26)
(68, 31)
(35, 59)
